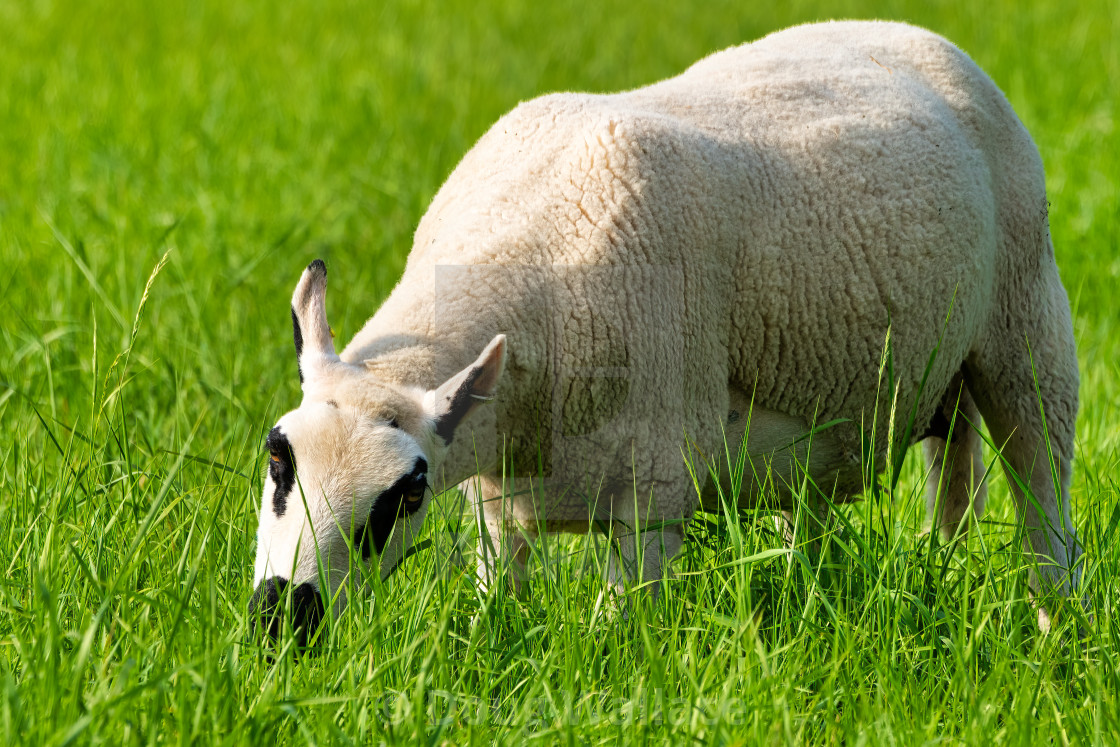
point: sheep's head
(348, 471)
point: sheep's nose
(269, 604)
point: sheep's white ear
(475, 384)
(314, 343)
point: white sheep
(644, 272)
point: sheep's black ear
(299, 342)
(312, 333)
(457, 397)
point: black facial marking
(458, 405)
(391, 505)
(298, 335)
(281, 468)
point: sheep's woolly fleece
(733, 245)
(746, 230)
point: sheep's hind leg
(503, 547)
(955, 488)
(1025, 384)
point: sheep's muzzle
(270, 604)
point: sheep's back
(812, 189)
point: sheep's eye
(394, 424)
(274, 456)
(415, 494)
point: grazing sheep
(646, 272)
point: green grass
(247, 139)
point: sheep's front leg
(503, 549)
(503, 546)
(641, 558)
(807, 525)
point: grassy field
(244, 140)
